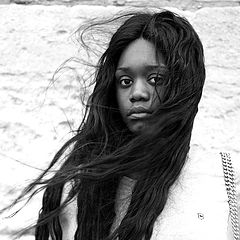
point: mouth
(138, 113)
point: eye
(125, 81)
(155, 79)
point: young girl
(131, 173)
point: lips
(138, 113)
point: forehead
(139, 53)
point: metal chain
(231, 192)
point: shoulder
(212, 156)
(205, 159)
(199, 152)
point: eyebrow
(147, 67)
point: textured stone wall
(180, 4)
(35, 114)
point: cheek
(122, 102)
(122, 109)
(157, 97)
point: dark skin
(136, 87)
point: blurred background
(37, 115)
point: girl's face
(137, 90)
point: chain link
(231, 192)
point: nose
(139, 92)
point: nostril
(143, 96)
(134, 98)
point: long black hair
(103, 150)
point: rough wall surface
(35, 115)
(181, 4)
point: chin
(137, 128)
